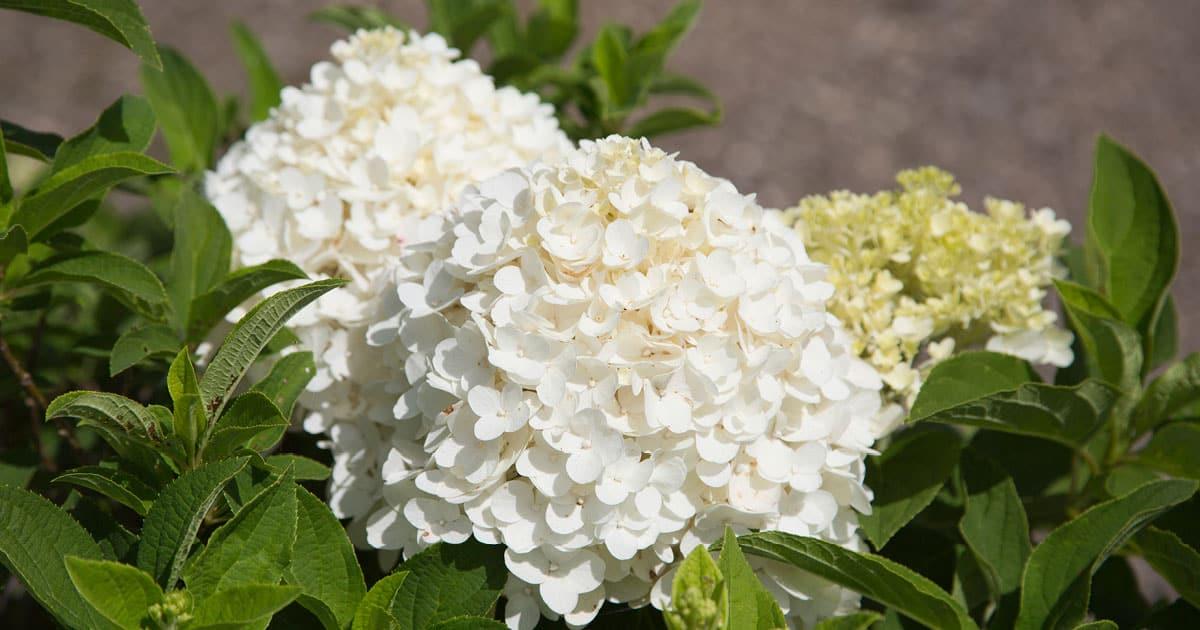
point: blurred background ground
(819, 95)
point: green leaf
(255, 547)
(200, 256)
(252, 421)
(264, 81)
(32, 144)
(1173, 390)
(186, 109)
(241, 605)
(874, 577)
(1113, 349)
(286, 381)
(992, 391)
(181, 377)
(662, 39)
(126, 126)
(303, 468)
(127, 280)
(111, 414)
(905, 479)
(13, 242)
(697, 597)
(611, 60)
(60, 193)
(374, 612)
(994, 525)
(1103, 624)
(249, 337)
(1132, 230)
(748, 604)
(117, 485)
(208, 308)
(463, 22)
(118, 20)
(1173, 450)
(189, 418)
(353, 18)
(35, 538)
(6, 194)
(1165, 339)
(853, 621)
(672, 119)
(323, 562)
(141, 343)
(17, 467)
(1173, 559)
(116, 543)
(469, 622)
(171, 525)
(1057, 577)
(449, 581)
(118, 591)
(553, 27)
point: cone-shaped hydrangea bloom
(338, 175)
(917, 271)
(606, 361)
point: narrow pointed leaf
(1057, 578)
(119, 592)
(186, 110)
(375, 609)
(124, 278)
(353, 18)
(303, 468)
(126, 125)
(208, 308)
(905, 479)
(172, 522)
(323, 563)
(747, 602)
(249, 337)
(1174, 450)
(241, 605)
(109, 413)
(1113, 349)
(117, 485)
(141, 343)
(118, 20)
(1173, 559)
(199, 256)
(1173, 390)
(252, 421)
(287, 380)
(449, 581)
(994, 525)
(38, 145)
(264, 81)
(874, 577)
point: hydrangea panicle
(339, 175)
(918, 275)
(600, 364)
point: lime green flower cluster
(918, 274)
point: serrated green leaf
(449, 581)
(118, 20)
(141, 343)
(171, 525)
(1132, 230)
(287, 380)
(115, 484)
(303, 468)
(906, 478)
(991, 391)
(1174, 450)
(1113, 349)
(853, 621)
(125, 126)
(1173, 559)
(255, 547)
(35, 538)
(186, 109)
(323, 563)
(200, 255)
(353, 18)
(13, 242)
(1173, 390)
(241, 605)
(111, 414)
(119, 592)
(994, 525)
(208, 308)
(249, 337)
(60, 193)
(874, 577)
(38, 145)
(127, 280)
(264, 81)
(698, 599)
(1057, 577)
(252, 421)
(374, 612)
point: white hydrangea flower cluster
(337, 177)
(604, 362)
(918, 274)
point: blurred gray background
(819, 95)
